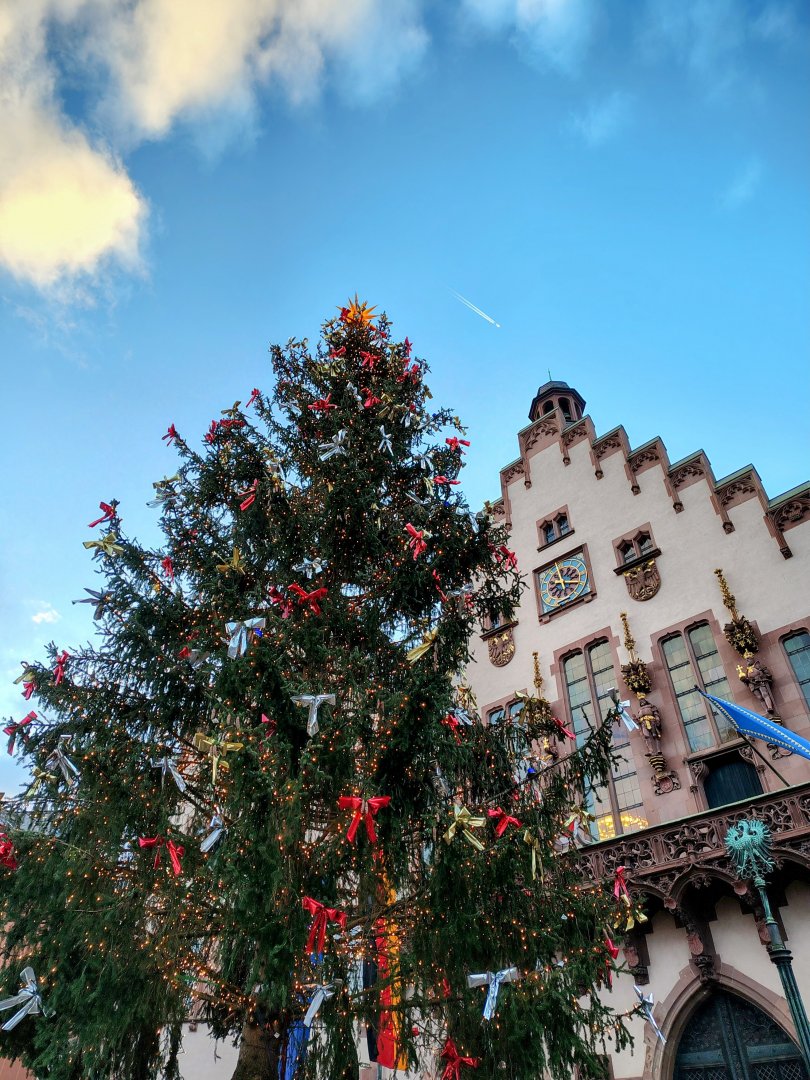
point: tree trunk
(258, 1054)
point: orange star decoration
(358, 311)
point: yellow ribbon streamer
(537, 849)
(427, 644)
(464, 822)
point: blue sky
(624, 188)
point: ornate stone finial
(636, 675)
(629, 640)
(739, 633)
(748, 845)
(538, 678)
(729, 599)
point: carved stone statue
(649, 719)
(759, 680)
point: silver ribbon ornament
(336, 445)
(239, 635)
(493, 980)
(645, 1005)
(60, 758)
(323, 991)
(168, 768)
(217, 830)
(29, 999)
(313, 702)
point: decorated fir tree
(265, 789)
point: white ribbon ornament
(336, 445)
(60, 758)
(493, 980)
(314, 702)
(239, 635)
(29, 998)
(217, 831)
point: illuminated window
(693, 660)
(797, 647)
(589, 677)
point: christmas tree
(265, 789)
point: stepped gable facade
(684, 580)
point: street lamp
(748, 844)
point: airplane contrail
(472, 307)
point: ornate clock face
(563, 581)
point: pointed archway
(730, 1038)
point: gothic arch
(675, 1012)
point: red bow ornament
(168, 567)
(254, 393)
(176, 851)
(364, 810)
(7, 856)
(505, 555)
(452, 1070)
(322, 404)
(368, 359)
(504, 820)
(417, 539)
(309, 598)
(456, 444)
(59, 670)
(620, 884)
(14, 729)
(170, 435)
(442, 479)
(108, 515)
(321, 915)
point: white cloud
(558, 31)
(47, 614)
(603, 119)
(68, 208)
(744, 185)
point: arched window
(627, 551)
(589, 678)
(729, 780)
(565, 409)
(797, 647)
(549, 532)
(562, 524)
(692, 660)
(548, 407)
(645, 544)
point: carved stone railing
(665, 859)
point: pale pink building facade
(601, 529)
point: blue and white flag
(757, 727)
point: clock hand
(559, 576)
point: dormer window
(554, 527)
(634, 547)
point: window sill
(638, 561)
(556, 540)
(498, 629)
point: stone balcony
(664, 860)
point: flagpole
(763, 758)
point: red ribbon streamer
(364, 810)
(254, 393)
(505, 820)
(563, 730)
(28, 689)
(168, 567)
(170, 435)
(620, 884)
(109, 514)
(59, 670)
(417, 542)
(13, 729)
(250, 496)
(321, 915)
(452, 1070)
(176, 851)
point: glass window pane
(562, 524)
(496, 716)
(604, 675)
(797, 648)
(696, 724)
(713, 675)
(579, 693)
